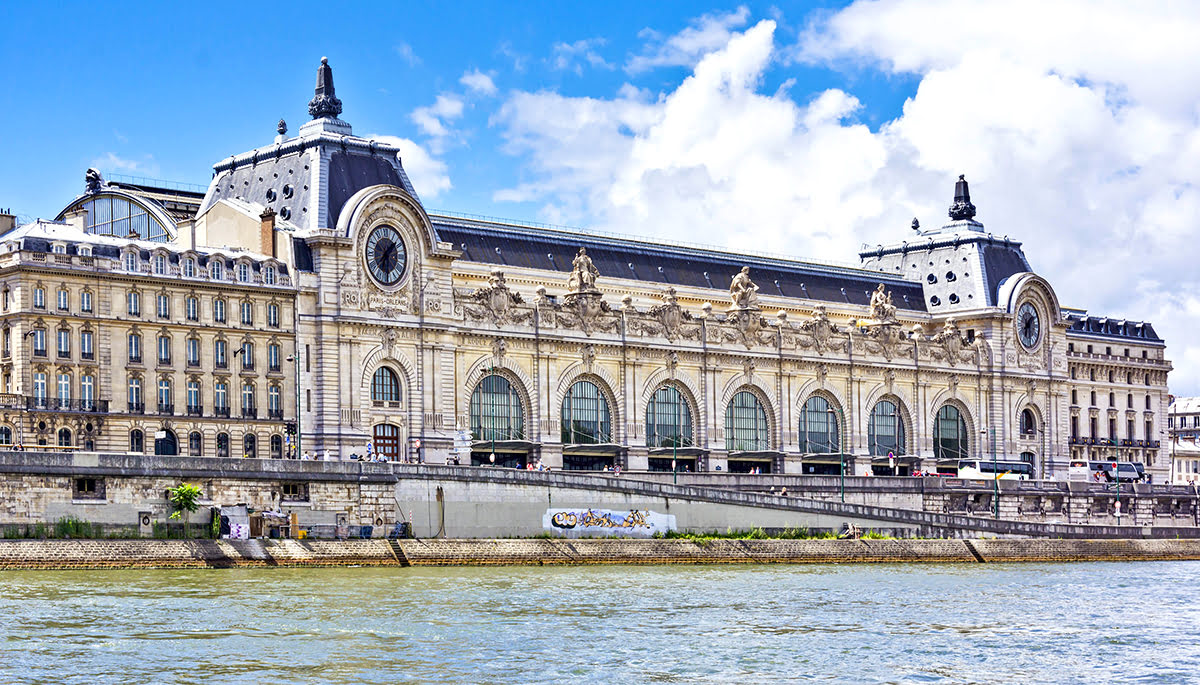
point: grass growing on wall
(67, 528)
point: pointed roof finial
(281, 128)
(962, 209)
(324, 102)
(916, 225)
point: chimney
(8, 220)
(266, 232)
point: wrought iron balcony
(135, 359)
(88, 354)
(276, 414)
(166, 409)
(195, 410)
(249, 412)
(137, 407)
(221, 412)
(56, 404)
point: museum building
(310, 279)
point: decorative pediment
(496, 303)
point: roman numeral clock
(386, 256)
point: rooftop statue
(882, 309)
(742, 291)
(583, 274)
(94, 180)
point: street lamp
(245, 417)
(675, 443)
(833, 416)
(295, 359)
(983, 433)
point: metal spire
(324, 103)
(962, 209)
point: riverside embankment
(117, 554)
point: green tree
(185, 499)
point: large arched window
(64, 437)
(746, 424)
(1028, 422)
(885, 432)
(820, 427)
(249, 446)
(222, 444)
(118, 216)
(496, 411)
(668, 419)
(6, 437)
(277, 447)
(137, 441)
(949, 434)
(585, 416)
(195, 444)
(385, 387)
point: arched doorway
(222, 444)
(386, 440)
(277, 447)
(167, 445)
(250, 446)
(64, 437)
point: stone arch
(578, 370)
(615, 414)
(684, 383)
(900, 398)
(514, 373)
(1024, 402)
(814, 387)
(768, 406)
(398, 363)
(945, 398)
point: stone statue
(94, 180)
(583, 273)
(882, 309)
(742, 291)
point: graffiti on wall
(606, 522)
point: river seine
(1002, 623)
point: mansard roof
(553, 249)
(1105, 327)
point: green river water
(1002, 623)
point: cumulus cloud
(1075, 122)
(434, 120)
(143, 166)
(709, 32)
(428, 174)
(572, 56)
(478, 82)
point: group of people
(615, 470)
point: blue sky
(806, 129)
(168, 89)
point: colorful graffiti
(636, 522)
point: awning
(686, 452)
(601, 449)
(757, 455)
(502, 446)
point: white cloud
(427, 173)
(709, 32)
(145, 166)
(406, 53)
(478, 82)
(434, 119)
(572, 56)
(1077, 125)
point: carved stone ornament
(748, 366)
(954, 348)
(350, 287)
(822, 374)
(743, 293)
(589, 356)
(388, 338)
(747, 327)
(496, 303)
(587, 312)
(882, 309)
(668, 319)
(821, 332)
(499, 348)
(583, 274)
(672, 364)
(883, 340)
(889, 379)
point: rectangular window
(135, 348)
(7, 342)
(64, 390)
(64, 343)
(273, 315)
(39, 388)
(1074, 396)
(219, 310)
(87, 488)
(160, 264)
(307, 400)
(39, 342)
(247, 314)
(64, 300)
(193, 309)
(164, 350)
(189, 267)
(221, 397)
(219, 358)
(135, 304)
(247, 356)
(193, 398)
(193, 352)
(39, 298)
(87, 392)
(131, 262)
(307, 356)
(85, 301)
(273, 357)
(164, 306)
(86, 349)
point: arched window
(949, 434)
(5, 435)
(1027, 457)
(222, 444)
(137, 441)
(249, 446)
(1028, 423)
(387, 441)
(117, 216)
(277, 447)
(820, 427)
(885, 432)
(496, 411)
(668, 419)
(195, 444)
(746, 424)
(64, 437)
(585, 416)
(385, 386)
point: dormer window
(160, 264)
(85, 251)
(189, 267)
(269, 275)
(58, 248)
(243, 272)
(216, 270)
(131, 261)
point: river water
(1001, 623)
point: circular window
(950, 276)
(953, 298)
(287, 190)
(270, 194)
(931, 278)
(935, 300)
(286, 213)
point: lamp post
(295, 359)
(245, 419)
(833, 416)
(983, 433)
(675, 443)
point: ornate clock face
(386, 256)
(1029, 327)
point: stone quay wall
(118, 554)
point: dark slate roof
(251, 182)
(302, 255)
(1112, 328)
(1001, 260)
(350, 173)
(553, 250)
